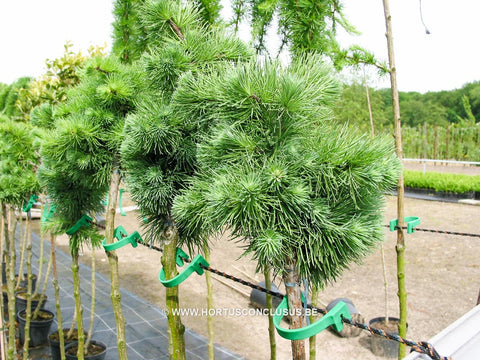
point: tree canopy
(82, 149)
(278, 174)
(159, 150)
(18, 162)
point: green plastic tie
(105, 201)
(194, 266)
(28, 206)
(119, 233)
(411, 222)
(333, 317)
(48, 212)
(123, 239)
(122, 212)
(85, 220)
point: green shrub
(447, 182)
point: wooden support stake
(244, 293)
(251, 278)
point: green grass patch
(447, 182)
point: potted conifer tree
(18, 181)
(81, 161)
(159, 151)
(38, 103)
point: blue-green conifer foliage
(277, 173)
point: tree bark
(28, 310)
(271, 326)
(400, 248)
(56, 288)
(115, 295)
(43, 291)
(297, 320)
(385, 281)
(3, 342)
(176, 329)
(3, 236)
(11, 225)
(78, 306)
(313, 340)
(23, 245)
(92, 305)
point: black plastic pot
(73, 346)
(39, 329)
(24, 282)
(21, 302)
(258, 298)
(348, 331)
(380, 345)
(4, 273)
(5, 302)
(55, 344)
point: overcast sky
(34, 30)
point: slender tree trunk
(210, 328)
(176, 330)
(28, 311)
(56, 288)
(3, 342)
(115, 294)
(313, 340)
(23, 237)
(297, 320)
(5, 242)
(3, 236)
(78, 305)
(71, 329)
(40, 260)
(400, 248)
(385, 281)
(92, 306)
(44, 288)
(11, 224)
(271, 326)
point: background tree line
(436, 125)
(459, 106)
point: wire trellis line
(421, 347)
(440, 231)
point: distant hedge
(436, 142)
(447, 182)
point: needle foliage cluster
(18, 162)
(278, 173)
(159, 148)
(129, 37)
(303, 26)
(80, 151)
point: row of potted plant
(27, 309)
(207, 138)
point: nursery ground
(442, 283)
